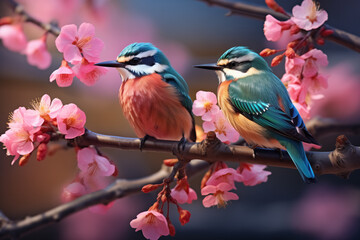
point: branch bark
(341, 161)
(339, 36)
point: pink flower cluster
(31, 128)
(222, 179)
(82, 49)
(302, 77)
(205, 105)
(93, 168)
(13, 38)
(152, 222)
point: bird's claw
(144, 139)
(182, 144)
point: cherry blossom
(313, 59)
(48, 109)
(71, 121)
(253, 174)
(37, 53)
(220, 195)
(224, 131)
(307, 16)
(64, 75)
(13, 37)
(183, 193)
(87, 72)
(18, 140)
(294, 65)
(76, 44)
(226, 175)
(152, 223)
(205, 105)
(93, 164)
(273, 28)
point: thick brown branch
(19, 9)
(341, 161)
(339, 36)
(212, 150)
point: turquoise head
(237, 62)
(137, 60)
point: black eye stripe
(234, 63)
(150, 61)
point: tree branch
(212, 150)
(339, 36)
(120, 188)
(341, 161)
(19, 9)
(325, 126)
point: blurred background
(189, 32)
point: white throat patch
(125, 74)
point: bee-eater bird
(154, 97)
(258, 106)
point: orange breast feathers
(252, 132)
(152, 107)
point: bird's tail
(297, 154)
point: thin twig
(19, 9)
(119, 189)
(339, 36)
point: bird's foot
(144, 139)
(182, 144)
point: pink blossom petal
(66, 37)
(209, 201)
(208, 189)
(92, 50)
(85, 156)
(230, 196)
(208, 126)
(13, 37)
(106, 168)
(86, 30)
(72, 54)
(25, 148)
(180, 196)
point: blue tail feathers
(297, 154)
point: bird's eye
(134, 61)
(232, 64)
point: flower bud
(170, 162)
(41, 152)
(267, 52)
(276, 60)
(184, 216)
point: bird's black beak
(114, 63)
(212, 66)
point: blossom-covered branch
(339, 36)
(341, 161)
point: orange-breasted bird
(154, 97)
(258, 106)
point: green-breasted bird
(154, 97)
(258, 106)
